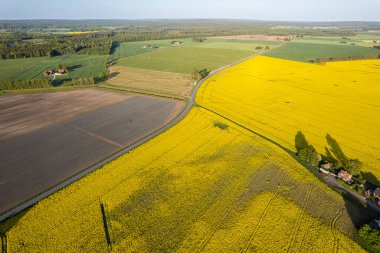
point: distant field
(277, 98)
(32, 68)
(357, 40)
(184, 59)
(193, 188)
(236, 46)
(306, 52)
(260, 42)
(150, 81)
(68, 133)
(251, 37)
(128, 49)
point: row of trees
(349, 58)
(197, 75)
(22, 84)
(80, 82)
(334, 154)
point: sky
(279, 10)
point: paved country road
(330, 180)
(96, 166)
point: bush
(221, 125)
(371, 237)
(80, 82)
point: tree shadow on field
(75, 67)
(359, 213)
(370, 177)
(8, 224)
(113, 74)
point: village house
(375, 224)
(345, 176)
(326, 168)
(376, 193)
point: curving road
(96, 166)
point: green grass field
(357, 40)
(184, 59)
(260, 42)
(235, 45)
(306, 52)
(32, 68)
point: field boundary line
(92, 134)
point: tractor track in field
(262, 216)
(299, 221)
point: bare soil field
(150, 80)
(22, 114)
(36, 161)
(252, 37)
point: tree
(267, 48)
(371, 237)
(330, 158)
(195, 75)
(310, 155)
(353, 166)
(300, 142)
(198, 75)
(102, 76)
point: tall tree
(310, 155)
(353, 166)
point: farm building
(345, 176)
(47, 73)
(327, 166)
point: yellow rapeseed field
(278, 97)
(194, 188)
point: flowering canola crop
(194, 188)
(277, 98)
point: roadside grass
(184, 59)
(193, 188)
(306, 52)
(281, 97)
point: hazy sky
(293, 10)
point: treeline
(22, 84)
(44, 83)
(82, 45)
(80, 82)
(349, 58)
